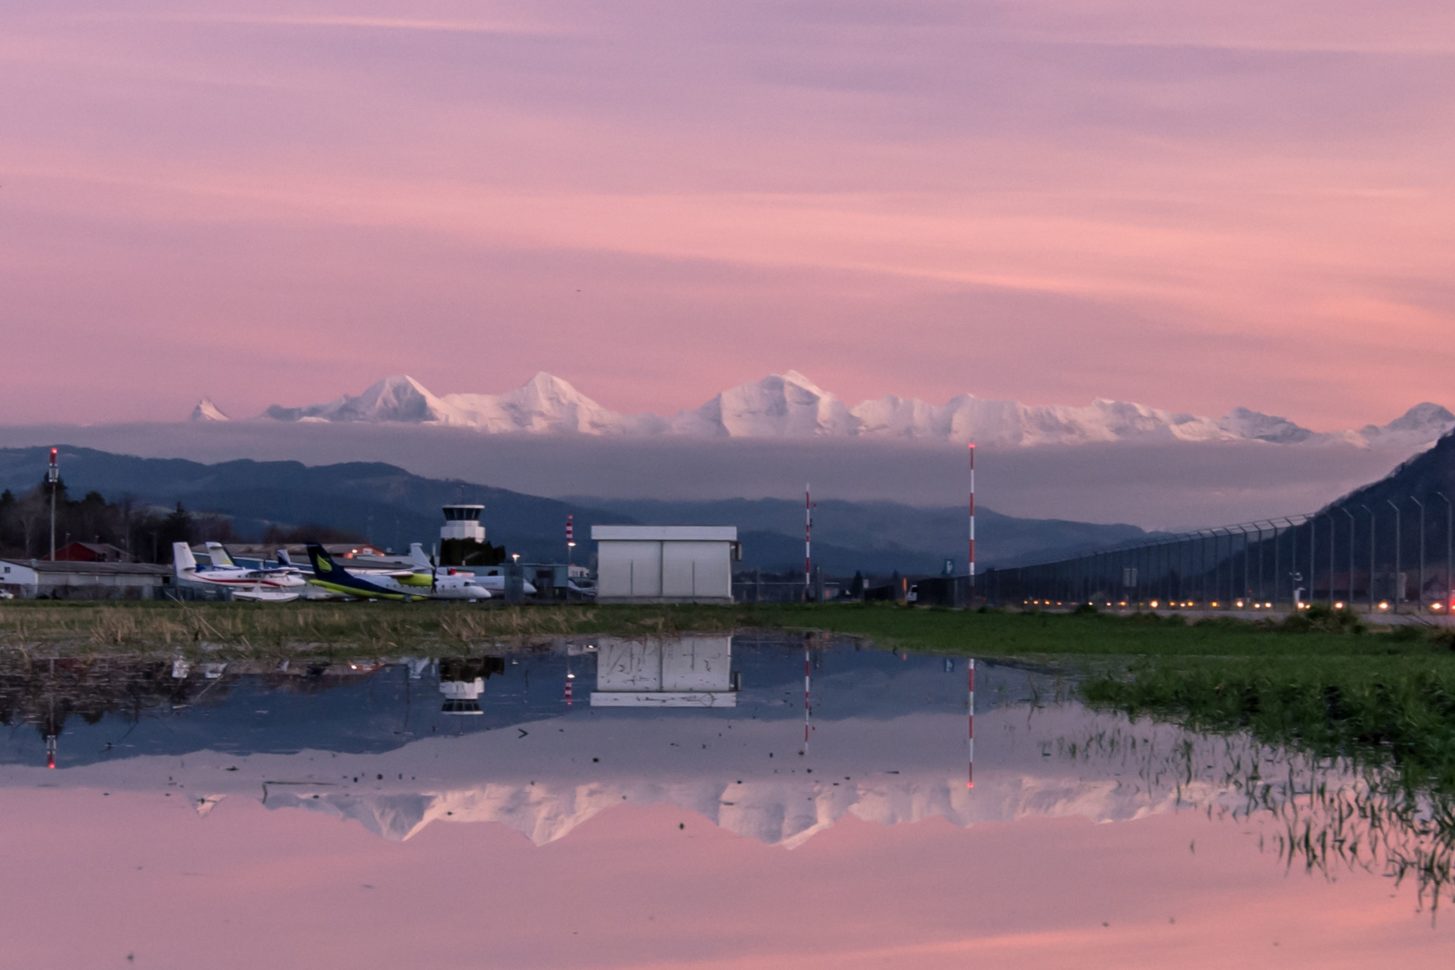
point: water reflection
(684, 672)
(712, 728)
(462, 681)
(1331, 816)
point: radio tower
(53, 478)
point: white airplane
(255, 586)
(495, 582)
(286, 575)
(331, 575)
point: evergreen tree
(176, 527)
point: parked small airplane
(329, 574)
(495, 582)
(244, 584)
(286, 575)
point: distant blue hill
(392, 507)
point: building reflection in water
(694, 671)
(462, 682)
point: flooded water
(699, 802)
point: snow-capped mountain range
(789, 405)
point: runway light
(1339, 605)
(1215, 604)
(1384, 606)
(1154, 604)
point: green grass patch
(1391, 712)
(1002, 634)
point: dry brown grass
(249, 629)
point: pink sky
(108, 875)
(1191, 205)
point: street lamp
(1244, 589)
(1346, 511)
(1449, 541)
(1313, 551)
(1292, 558)
(1421, 594)
(1398, 579)
(1370, 512)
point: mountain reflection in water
(544, 739)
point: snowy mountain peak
(398, 398)
(548, 388)
(1244, 423)
(789, 405)
(1422, 417)
(779, 405)
(796, 378)
(205, 410)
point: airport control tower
(463, 522)
(462, 538)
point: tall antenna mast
(971, 549)
(53, 478)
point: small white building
(665, 563)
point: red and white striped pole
(807, 544)
(970, 552)
(970, 741)
(807, 706)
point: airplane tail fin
(182, 559)
(283, 558)
(220, 556)
(418, 556)
(322, 562)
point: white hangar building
(665, 563)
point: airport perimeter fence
(1377, 559)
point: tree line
(143, 531)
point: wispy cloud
(1171, 201)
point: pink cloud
(1195, 208)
